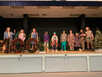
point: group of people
(74, 41)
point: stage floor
(56, 52)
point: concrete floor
(69, 74)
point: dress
(34, 35)
(46, 39)
(77, 41)
(71, 39)
(22, 36)
(89, 36)
(54, 42)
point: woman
(46, 41)
(54, 40)
(8, 34)
(71, 40)
(89, 37)
(22, 35)
(34, 35)
(82, 39)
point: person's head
(34, 30)
(81, 31)
(46, 33)
(22, 31)
(7, 29)
(63, 31)
(70, 31)
(54, 33)
(87, 28)
(77, 34)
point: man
(63, 39)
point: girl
(89, 37)
(22, 35)
(34, 35)
(54, 40)
(77, 41)
(82, 39)
(71, 40)
(46, 41)
(8, 34)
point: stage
(69, 61)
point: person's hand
(93, 38)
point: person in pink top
(22, 35)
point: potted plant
(98, 41)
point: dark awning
(50, 3)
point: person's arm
(48, 38)
(92, 35)
(73, 38)
(13, 33)
(31, 35)
(52, 38)
(68, 38)
(57, 38)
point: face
(34, 30)
(54, 34)
(77, 34)
(8, 29)
(81, 31)
(63, 32)
(70, 31)
(22, 31)
(87, 28)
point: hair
(82, 30)
(7, 29)
(46, 32)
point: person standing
(54, 40)
(63, 39)
(71, 40)
(77, 41)
(8, 34)
(22, 35)
(34, 35)
(46, 42)
(82, 39)
(89, 37)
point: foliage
(98, 39)
(28, 43)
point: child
(22, 35)
(63, 39)
(77, 41)
(82, 39)
(71, 40)
(54, 40)
(89, 37)
(34, 35)
(46, 42)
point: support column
(82, 19)
(25, 24)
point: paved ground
(69, 74)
